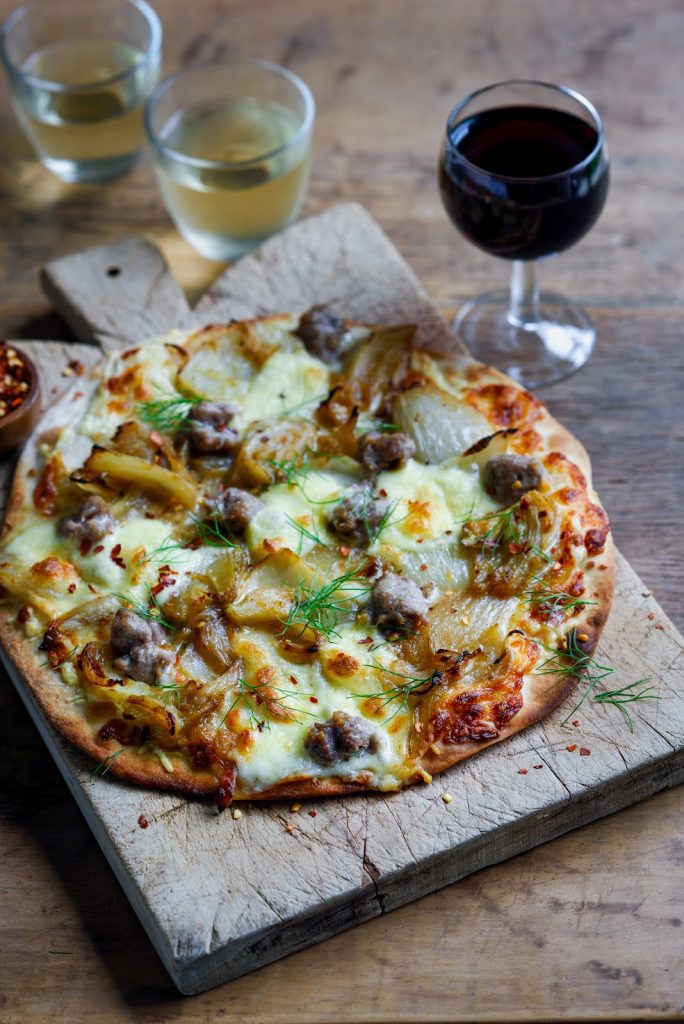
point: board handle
(117, 294)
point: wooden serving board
(219, 896)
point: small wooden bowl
(18, 424)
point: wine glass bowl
(523, 174)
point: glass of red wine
(523, 174)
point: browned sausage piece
(91, 523)
(379, 450)
(236, 508)
(135, 641)
(358, 516)
(324, 333)
(208, 429)
(397, 603)
(146, 663)
(507, 477)
(340, 738)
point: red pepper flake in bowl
(15, 379)
(19, 397)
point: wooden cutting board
(219, 896)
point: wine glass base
(535, 353)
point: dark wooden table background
(590, 926)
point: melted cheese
(269, 374)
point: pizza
(297, 556)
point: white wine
(95, 122)
(226, 210)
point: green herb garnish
(212, 534)
(105, 764)
(150, 611)
(571, 660)
(319, 607)
(247, 692)
(304, 532)
(411, 686)
(627, 695)
(167, 413)
(550, 601)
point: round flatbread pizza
(298, 556)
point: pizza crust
(542, 693)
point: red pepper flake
(585, 751)
(77, 395)
(115, 554)
(423, 567)
(366, 640)
(156, 438)
(129, 352)
(294, 680)
(314, 700)
(382, 493)
(575, 722)
(92, 589)
(651, 616)
(312, 814)
(660, 626)
(537, 765)
(85, 548)
(522, 771)
(31, 472)
(572, 747)
(71, 588)
(98, 549)
(23, 615)
(142, 821)
(344, 551)
(15, 379)
(421, 540)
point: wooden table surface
(591, 926)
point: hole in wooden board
(113, 271)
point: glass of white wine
(231, 146)
(80, 72)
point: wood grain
(115, 295)
(586, 927)
(364, 857)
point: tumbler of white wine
(231, 146)
(80, 72)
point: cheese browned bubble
(270, 628)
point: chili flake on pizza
(298, 556)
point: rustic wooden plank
(116, 294)
(339, 258)
(361, 857)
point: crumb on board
(585, 751)
(572, 747)
(142, 821)
(651, 616)
(576, 722)
(447, 798)
(537, 766)
(289, 828)
(660, 626)
(312, 814)
(295, 808)
(236, 814)
(522, 771)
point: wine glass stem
(524, 305)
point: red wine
(523, 182)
